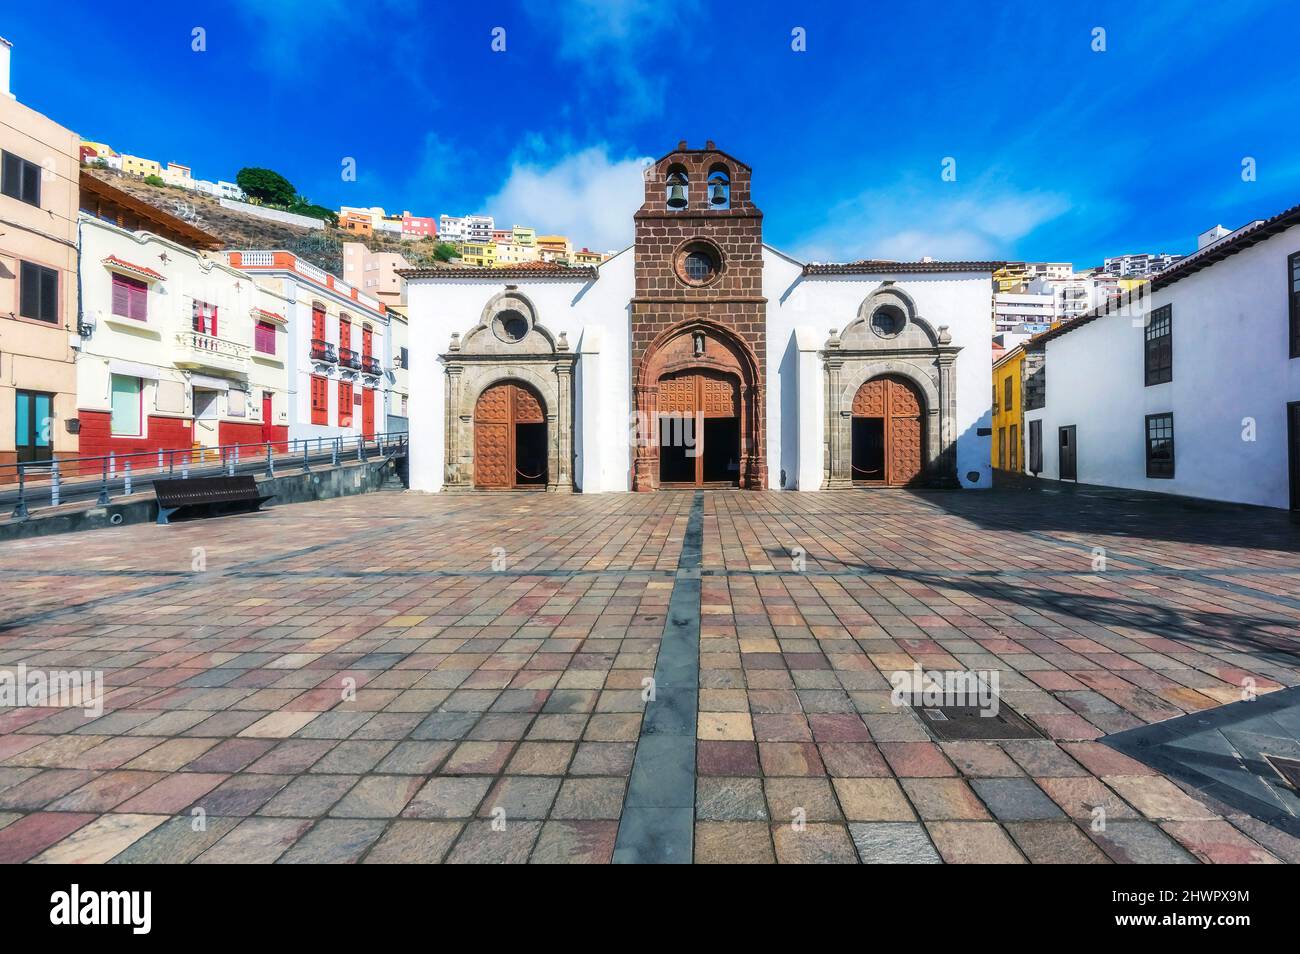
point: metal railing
(36, 485)
(350, 359)
(323, 351)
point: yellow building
(587, 257)
(479, 253)
(553, 248)
(102, 149)
(138, 166)
(1010, 277)
(524, 235)
(1009, 411)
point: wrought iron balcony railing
(323, 351)
(349, 359)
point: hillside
(322, 247)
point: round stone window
(510, 326)
(698, 263)
(888, 321)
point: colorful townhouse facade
(38, 285)
(1008, 409)
(338, 341)
(177, 349)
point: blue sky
(1062, 153)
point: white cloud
(945, 220)
(585, 195)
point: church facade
(700, 357)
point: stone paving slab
(400, 677)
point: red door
(268, 427)
(368, 412)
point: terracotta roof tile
(113, 261)
(876, 266)
(522, 270)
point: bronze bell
(717, 193)
(677, 196)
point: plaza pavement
(407, 678)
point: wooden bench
(212, 496)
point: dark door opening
(869, 449)
(1068, 448)
(1035, 447)
(33, 426)
(679, 448)
(530, 454)
(1293, 444)
(721, 451)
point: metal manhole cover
(1289, 769)
(974, 724)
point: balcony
(323, 351)
(196, 350)
(370, 364)
(349, 359)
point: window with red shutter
(345, 333)
(264, 337)
(320, 400)
(205, 318)
(130, 297)
(318, 322)
(345, 404)
(367, 341)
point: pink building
(418, 226)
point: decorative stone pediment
(888, 320)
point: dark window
(1035, 447)
(1160, 445)
(20, 179)
(1293, 287)
(38, 292)
(888, 321)
(1160, 346)
(404, 358)
(698, 266)
(1006, 387)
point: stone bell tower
(698, 319)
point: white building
(176, 349)
(1015, 309)
(1191, 388)
(1143, 263)
(337, 345)
(700, 357)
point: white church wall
(438, 307)
(960, 300)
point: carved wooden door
(692, 397)
(898, 406)
(498, 410)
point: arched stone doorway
(510, 445)
(888, 432)
(506, 372)
(890, 366)
(699, 411)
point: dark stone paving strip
(658, 823)
(1221, 752)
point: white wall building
(700, 357)
(177, 350)
(1142, 263)
(337, 345)
(1194, 387)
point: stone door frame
(481, 359)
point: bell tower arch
(699, 285)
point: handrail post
(160, 459)
(126, 477)
(306, 447)
(334, 452)
(112, 464)
(103, 487)
(185, 467)
(54, 483)
(20, 508)
(270, 464)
